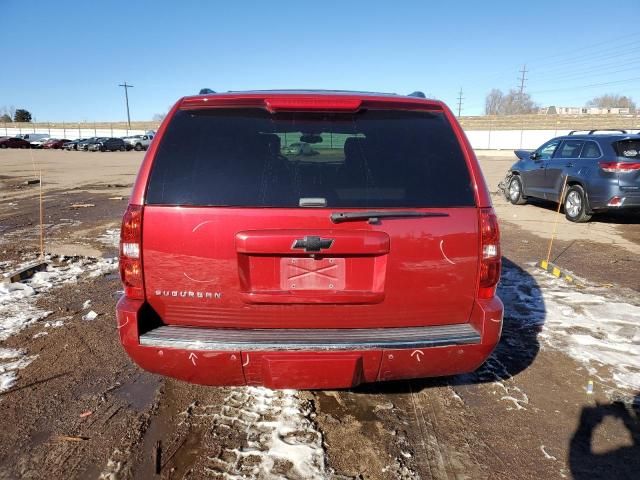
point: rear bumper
(308, 359)
(630, 198)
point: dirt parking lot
(559, 398)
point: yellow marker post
(555, 224)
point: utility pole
(126, 97)
(522, 79)
(460, 98)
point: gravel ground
(78, 408)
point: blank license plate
(311, 274)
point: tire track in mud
(262, 434)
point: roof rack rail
(206, 91)
(591, 132)
(418, 94)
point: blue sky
(63, 60)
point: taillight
(131, 253)
(490, 259)
(620, 167)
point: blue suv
(602, 172)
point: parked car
(107, 145)
(299, 148)
(54, 143)
(33, 137)
(602, 172)
(256, 269)
(84, 144)
(73, 144)
(39, 143)
(13, 142)
(138, 142)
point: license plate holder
(321, 274)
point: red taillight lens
(620, 167)
(131, 253)
(490, 259)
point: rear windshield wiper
(373, 217)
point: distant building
(553, 110)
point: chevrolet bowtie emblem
(312, 243)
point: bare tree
(493, 101)
(611, 100)
(512, 103)
(8, 111)
(158, 117)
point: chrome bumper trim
(198, 338)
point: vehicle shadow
(524, 316)
(618, 217)
(620, 463)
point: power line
(126, 96)
(589, 75)
(626, 80)
(460, 98)
(589, 46)
(581, 59)
(591, 70)
(569, 56)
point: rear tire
(3, 146)
(138, 147)
(575, 205)
(122, 148)
(515, 191)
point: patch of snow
(57, 324)
(90, 316)
(18, 360)
(17, 300)
(86, 304)
(279, 431)
(40, 334)
(593, 325)
(111, 237)
(18, 308)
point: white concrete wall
(480, 139)
(510, 139)
(70, 133)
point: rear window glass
(627, 148)
(251, 158)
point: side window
(545, 152)
(570, 149)
(590, 150)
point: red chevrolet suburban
(370, 254)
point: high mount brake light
(313, 104)
(130, 253)
(490, 259)
(620, 167)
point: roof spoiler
(591, 132)
(206, 91)
(418, 94)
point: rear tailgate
(231, 267)
(628, 168)
(237, 230)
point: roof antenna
(418, 94)
(206, 91)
